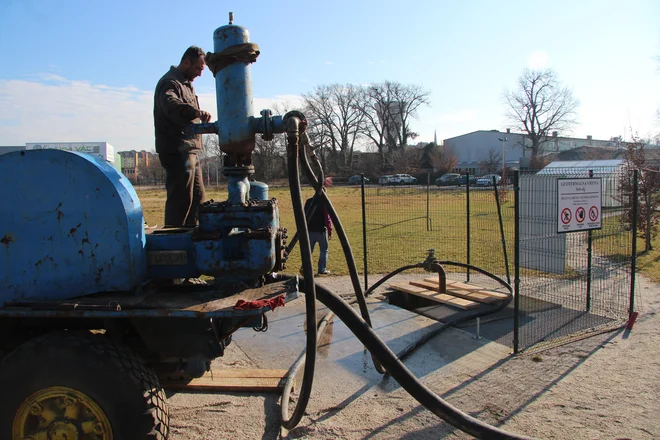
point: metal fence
(567, 283)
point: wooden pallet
(255, 380)
(442, 298)
(462, 290)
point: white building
(514, 148)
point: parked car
(448, 179)
(357, 180)
(385, 180)
(463, 180)
(487, 180)
(403, 179)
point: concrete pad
(344, 369)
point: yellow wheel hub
(60, 413)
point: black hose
(308, 270)
(400, 372)
(393, 273)
(343, 238)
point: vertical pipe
(499, 216)
(233, 89)
(589, 258)
(428, 200)
(633, 261)
(364, 235)
(467, 223)
(516, 262)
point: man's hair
(193, 53)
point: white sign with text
(579, 204)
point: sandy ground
(603, 387)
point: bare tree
(539, 106)
(332, 113)
(406, 100)
(408, 160)
(648, 185)
(388, 109)
(492, 162)
(270, 157)
(210, 157)
(372, 100)
(443, 159)
(154, 172)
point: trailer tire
(110, 390)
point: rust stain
(98, 275)
(73, 230)
(60, 214)
(8, 238)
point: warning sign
(579, 204)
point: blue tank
(70, 225)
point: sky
(83, 71)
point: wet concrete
(344, 369)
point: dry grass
(397, 228)
(397, 225)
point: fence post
(499, 216)
(428, 201)
(589, 256)
(516, 262)
(364, 235)
(633, 260)
(467, 223)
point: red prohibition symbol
(580, 214)
(593, 213)
(566, 216)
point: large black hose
(341, 233)
(308, 270)
(400, 372)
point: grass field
(402, 223)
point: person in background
(319, 226)
(175, 107)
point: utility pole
(503, 140)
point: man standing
(175, 107)
(319, 226)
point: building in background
(5, 150)
(142, 167)
(100, 149)
(472, 149)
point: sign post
(579, 204)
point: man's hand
(205, 116)
(329, 235)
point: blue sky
(85, 70)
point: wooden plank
(255, 380)
(432, 295)
(460, 293)
(470, 288)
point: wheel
(79, 385)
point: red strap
(274, 303)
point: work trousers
(185, 188)
(322, 239)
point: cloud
(538, 60)
(50, 108)
(329, 63)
